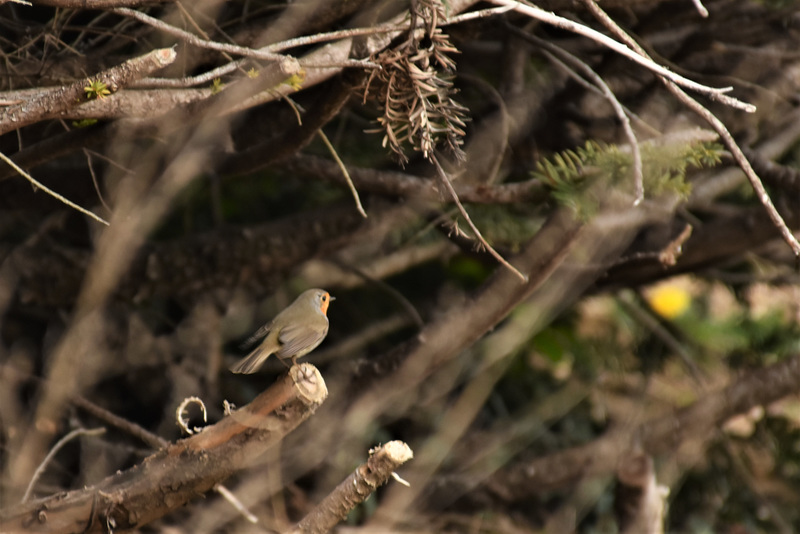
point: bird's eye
(324, 298)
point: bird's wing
(300, 338)
(260, 333)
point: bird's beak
(331, 298)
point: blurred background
(524, 396)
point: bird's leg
(284, 363)
(294, 361)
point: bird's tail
(251, 362)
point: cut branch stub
(356, 488)
(182, 471)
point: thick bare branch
(356, 488)
(140, 103)
(52, 103)
(180, 472)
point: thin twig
(63, 441)
(196, 26)
(718, 126)
(580, 29)
(744, 164)
(551, 51)
(333, 36)
(479, 14)
(593, 88)
(207, 77)
(622, 115)
(298, 110)
(152, 440)
(262, 53)
(236, 503)
(497, 151)
(210, 76)
(345, 63)
(377, 29)
(108, 160)
(49, 191)
(698, 4)
(194, 39)
(478, 235)
(346, 174)
(647, 320)
(395, 294)
(191, 81)
(88, 155)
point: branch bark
(356, 488)
(52, 103)
(178, 473)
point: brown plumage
(293, 333)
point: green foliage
(577, 175)
(85, 123)
(744, 338)
(502, 225)
(555, 344)
(664, 166)
(96, 89)
(295, 81)
(469, 272)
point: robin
(293, 333)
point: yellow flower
(669, 301)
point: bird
(293, 333)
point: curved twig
(346, 174)
(718, 126)
(208, 77)
(194, 39)
(57, 447)
(569, 25)
(563, 56)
